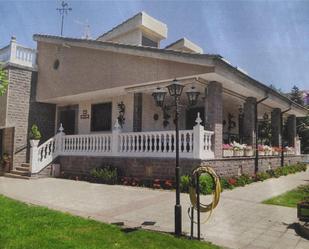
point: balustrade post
(198, 138)
(13, 46)
(34, 155)
(58, 140)
(115, 138)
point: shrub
(168, 184)
(206, 184)
(35, 133)
(225, 184)
(184, 183)
(156, 183)
(107, 175)
(261, 176)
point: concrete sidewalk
(239, 221)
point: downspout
(281, 131)
(256, 159)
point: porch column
(291, 130)
(137, 112)
(249, 121)
(214, 115)
(276, 133)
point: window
(148, 42)
(101, 117)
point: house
(100, 94)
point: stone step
(25, 165)
(24, 169)
(19, 172)
(16, 176)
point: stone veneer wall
(164, 168)
(18, 110)
(23, 111)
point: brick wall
(165, 168)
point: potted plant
(248, 150)
(261, 150)
(267, 150)
(35, 135)
(5, 162)
(238, 149)
(227, 150)
(289, 150)
(276, 151)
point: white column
(34, 155)
(198, 135)
(115, 138)
(13, 46)
(58, 141)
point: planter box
(228, 153)
(261, 153)
(275, 153)
(249, 153)
(238, 153)
(268, 153)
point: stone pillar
(137, 112)
(276, 133)
(249, 121)
(214, 115)
(291, 130)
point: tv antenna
(86, 29)
(63, 11)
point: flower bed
(237, 181)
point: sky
(267, 39)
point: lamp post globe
(175, 89)
(192, 95)
(159, 96)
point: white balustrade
(194, 143)
(43, 155)
(17, 54)
(92, 145)
(155, 144)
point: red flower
(232, 181)
(168, 184)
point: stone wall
(165, 168)
(18, 110)
(23, 111)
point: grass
(29, 227)
(290, 198)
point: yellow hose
(216, 191)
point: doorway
(67, 116)
(191, 116)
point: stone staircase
(21, 172)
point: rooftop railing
(17, 54)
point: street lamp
(175, 90)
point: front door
(67, 117)
(191, 116)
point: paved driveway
(239, 221)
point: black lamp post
(175, 90)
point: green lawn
(290, 198)
(25, 226)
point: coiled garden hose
(216, 191)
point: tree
(3, 81)
(296, 96)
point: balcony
(18, 55)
